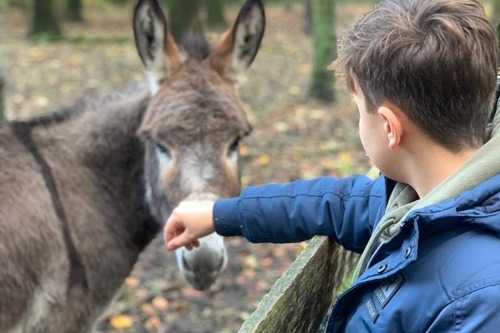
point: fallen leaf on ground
(121, 321)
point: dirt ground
(293, 137)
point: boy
(423, 75)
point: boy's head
(434, 59)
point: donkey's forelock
(185, 132)
(195, 45)
(196, 103)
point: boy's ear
(393, 123)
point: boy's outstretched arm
(190, 221)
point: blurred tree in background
(183, 15)
(495, 13)
(495, 18)
(215, 13)
(2, 95)
(44, 23)
(307, 17)
(74, 10)
(3, 6)
(322, 25)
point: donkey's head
(194, 121)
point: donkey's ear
(156, 46)
(238, 46)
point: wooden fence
(299, 300)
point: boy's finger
(172, 245)
(178, 241)
(169, 233)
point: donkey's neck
(97, 136)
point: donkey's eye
(162, 150)
(234, 146)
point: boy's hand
(188, 222)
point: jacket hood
(478, 207)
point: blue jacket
(440, 273)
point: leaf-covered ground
(293, 137)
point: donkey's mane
(195, 45)
(88, 102)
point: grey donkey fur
(83, 191)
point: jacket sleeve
(345, 209)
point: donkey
(85, 190)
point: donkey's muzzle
(202, 265)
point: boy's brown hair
(434, 59)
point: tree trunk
(495, 18)
(3, 88)
(495, 13)
(498, 31)
(184, 15)
(324, 49)
(2, 99)
(74, 10)
(44, 23)
(307, 17)
(3, 21)
(215, 13)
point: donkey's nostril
(221, 265)
(184, 262)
